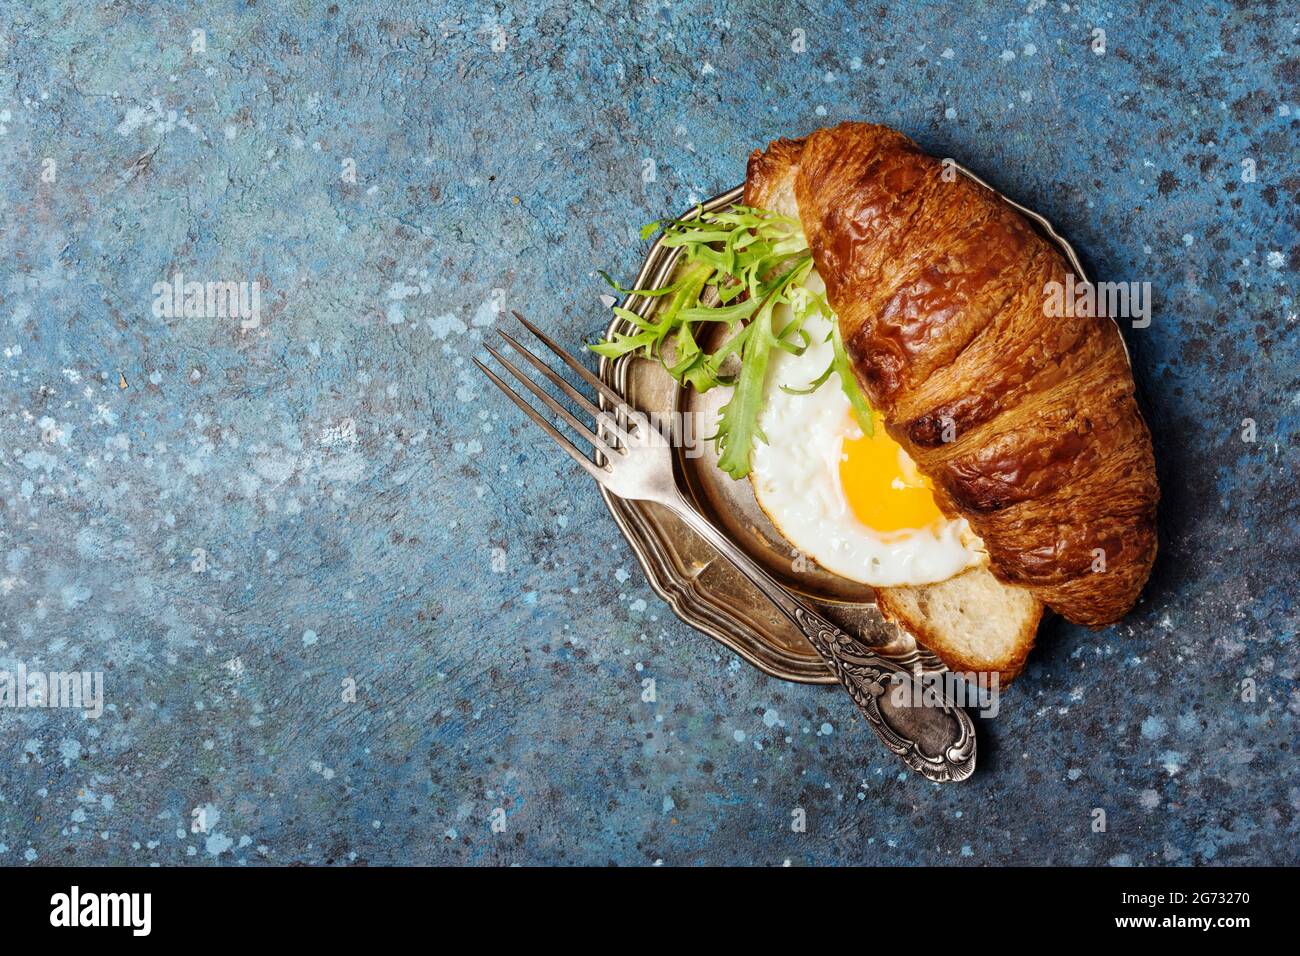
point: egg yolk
(882, 485)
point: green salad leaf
(743, 262)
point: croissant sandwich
(1024, 423)
(909, 407)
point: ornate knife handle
(937, 741)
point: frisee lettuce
(745, 262)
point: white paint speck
(444, 325)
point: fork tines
(603, 418)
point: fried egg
(853, 503)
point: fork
(634, 461)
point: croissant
(1025, 423)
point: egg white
(796, 479)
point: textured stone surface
(331, 551)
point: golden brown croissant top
(1025, 423)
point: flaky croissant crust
(1025, 423)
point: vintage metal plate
(702, 588)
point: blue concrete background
(220, 541)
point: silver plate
(701, 587)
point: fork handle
(937, 741)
